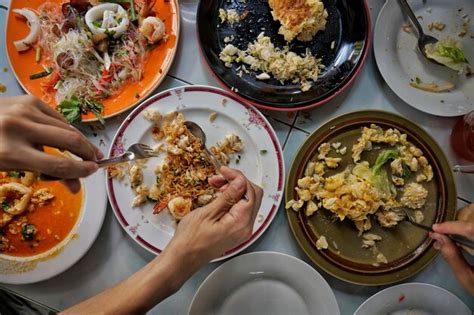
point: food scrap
(283, 64)
(89, 50)
(299, 19)
(361, 190)
(181, 179)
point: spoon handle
(408, 11)
(463, 169)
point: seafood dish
(181, 178)
(35, 216)
(360, 191)
(89, 50)
(299, 20)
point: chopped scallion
(40, 74)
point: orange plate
(156, 67)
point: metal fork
(137, 151)
(456, 238)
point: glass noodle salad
(90, 49)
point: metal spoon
(423, 39)
(454, 237)
(469, 169)
(197, 131)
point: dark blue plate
(348, 26)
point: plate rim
(310, 104)
(264, 253)
(369, 279)
(143, 97)
(270, 131)
(385, 76)
(374, 296)
(96, 204)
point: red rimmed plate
(261, 161)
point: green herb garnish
(5, 205)
(417, 80)
(14, 174)
(406, 171)
(454, 53)
(74, 107)
(97, 24)
(28, 231)
(132, 11)
(109, 33)
(383, 158)
(262, 152)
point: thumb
(229, 197)
(452, 254)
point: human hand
(206, 233)
(26, 125)
(463, 271)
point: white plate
(72, 248)
(413, 299)
(264, 283)
(154, 232)
(399, 59)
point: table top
(114, 256)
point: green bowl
(407, 248)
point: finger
(71, 140)
(217, 181)
(229, 197)
(48, 110)
(73, 185)
(58, 166)
(456, 227)
(41, 118)
(230, 173)
(252, 200)
(452, 255)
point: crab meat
(35, 29)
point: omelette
(300, 19)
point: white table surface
(114, 255)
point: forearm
(143, 290)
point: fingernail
(100, 155)
(435, 226)
(436, 245)
(238, 183)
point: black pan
(348, 26)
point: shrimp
(19, 204)
(179, 207)
(153, 29)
